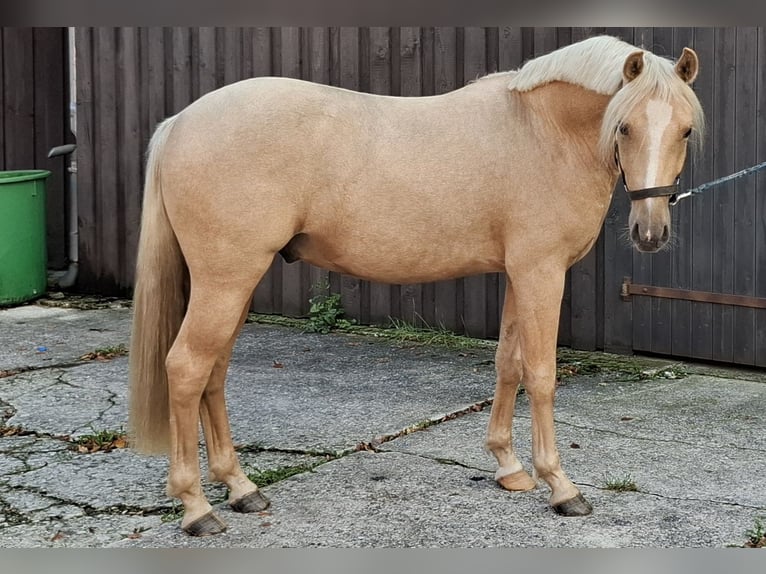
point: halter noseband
(670, 191)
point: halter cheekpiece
(670, 191)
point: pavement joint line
(678, 498)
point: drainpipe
(70, 276)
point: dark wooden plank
(618, 263)
(410, 77)
(294, 275)
(108, 198)
(349, 65)
(475, 288)
(268, 294)
(317, 54)
(583, 280)
(510, 48)
(232, 51)
(661, 309)
(261, 56)
(723, 216)
(545, 40)
(681, 254)
(156, 78)
(445, 312)
(51, 119)
(703, 206)
(380, 83)
(642, 262)
(180, 64)
(206, 59)
(86, 150)
(18, 105)
(745, 142)
(427, 88)
(760, 184)
(130, 149)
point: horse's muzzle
(648, 242)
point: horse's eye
(687, 133)
(624, 129)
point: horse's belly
(394, 262)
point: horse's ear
(634, 64)
(687, 65)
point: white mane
(595, 64)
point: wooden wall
(130, 78)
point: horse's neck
(573, 112)
(571, 116)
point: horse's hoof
(206, 525)
(576, 506)
(253, 502)
(517, 481)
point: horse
(512, 173)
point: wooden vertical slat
(744, 223)
(445, 313)
(180, 63)
(86, 155)
(642, 262)
(51, 120)
(294, 275)
(723, 216)
(618, 262)
(349, 66)
(130, 149)
(410, 76)
(681, 254)
(206, 59)
(661, 309)
(703, 206)
(380, 83)
(18, 105)
(475, 289)
(268, 291)
(319, 72)
(232, 49)
(109, 202)
(760, 196)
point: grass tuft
(623, 483)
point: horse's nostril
(634, 234)
(665, 233)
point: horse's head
(652, 118)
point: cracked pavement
(387, 439)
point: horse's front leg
(537, 293)
(510, 474)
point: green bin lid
(22, 175)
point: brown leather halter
(670, 191)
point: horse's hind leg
(223, 463)
(538, 294)
(212, 320)
(510, 474)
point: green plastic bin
(23, 255)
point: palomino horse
(513, 172)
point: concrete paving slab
(39, 336)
